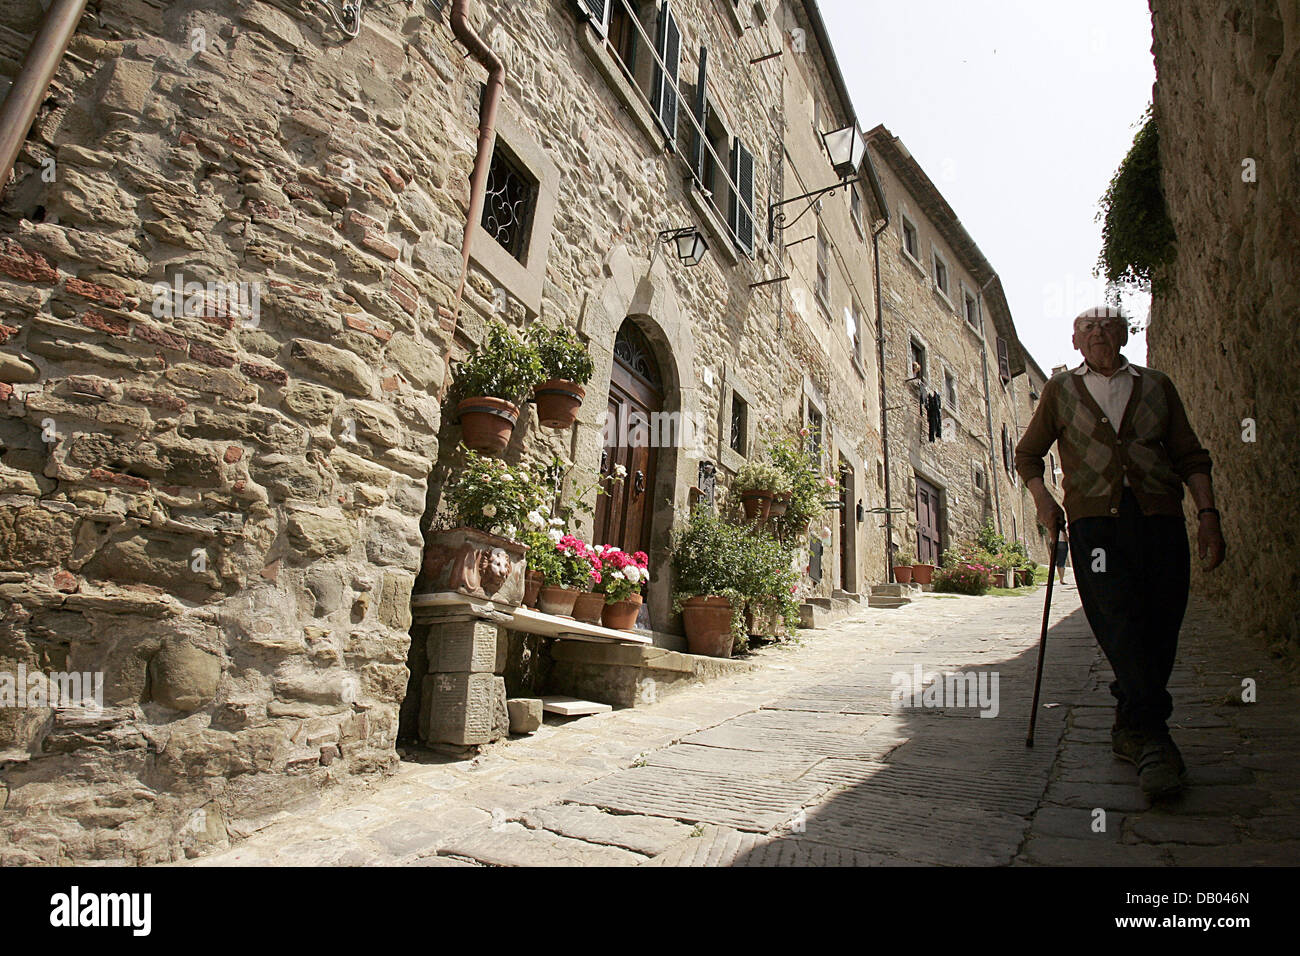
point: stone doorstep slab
(567, 706)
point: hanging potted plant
(478, 546)
(488, 385)
(804, 504)
(566, 368)
(903, 567)
(756, 484)
(621, 577)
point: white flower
(489, 511)
(556, 522)
(510, 531)
(632, 573)
(620, 471)
(620, 575)
(506, 476)
(555, 534)
(536, 520)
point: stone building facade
(949, 341)
(230, 294)
(1225, 328)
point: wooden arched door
(631, 433)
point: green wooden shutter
(669, 46)
(597, 11)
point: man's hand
(1209, 542)
(1050, 515)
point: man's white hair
(1102, 312)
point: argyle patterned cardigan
(1155, 447)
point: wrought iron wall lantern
(689, 241)
(847, 149)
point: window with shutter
(701, 116)
(597, 11)
(664, 100)
(741, 218)
(1004, 360)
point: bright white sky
(1019, 111)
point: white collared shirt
(1111, 392)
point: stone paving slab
(513, 844)
(978, 788)
(640, 834)
(915, 828)
(721, 846)
(755, 763)
(732, 800)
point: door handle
(638, 482)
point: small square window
(508, 203)
(940, 274)
(979, 477)
(910, 242)
(739, 424)
(972, 310)
(918, 361)
(815, 428)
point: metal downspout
(33, 80)
(884, 406)
(486, 132)
(988, 405)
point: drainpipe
(486, 131)
(884, 405)
(33, 80)
(988, 405)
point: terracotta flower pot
(588, 607)
(532, 585)
(556, 601)
(707, 622)
(779, 505)
(923, 573)
(558, 401)
(758, 504)
(1000, 579)
(486, 423)
(621, 616)
(903, 574)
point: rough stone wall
(1228, 80)
(913, 307)
(1024, 388)
(221, 510)
(218, 509)
(823, 362)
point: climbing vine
(1137, 235)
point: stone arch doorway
(633, 433)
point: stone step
(883, 601)
(567, 706)
(630, 676)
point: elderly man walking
(1126, 449)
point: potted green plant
(903, 566)
(478, 546)
(488, 385)
(756, 483)
(723, 570)
(797, 457)
(566, 368)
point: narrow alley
(806, 762)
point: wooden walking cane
(1042, 640)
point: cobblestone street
(806, 762)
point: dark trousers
(1135, 605)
